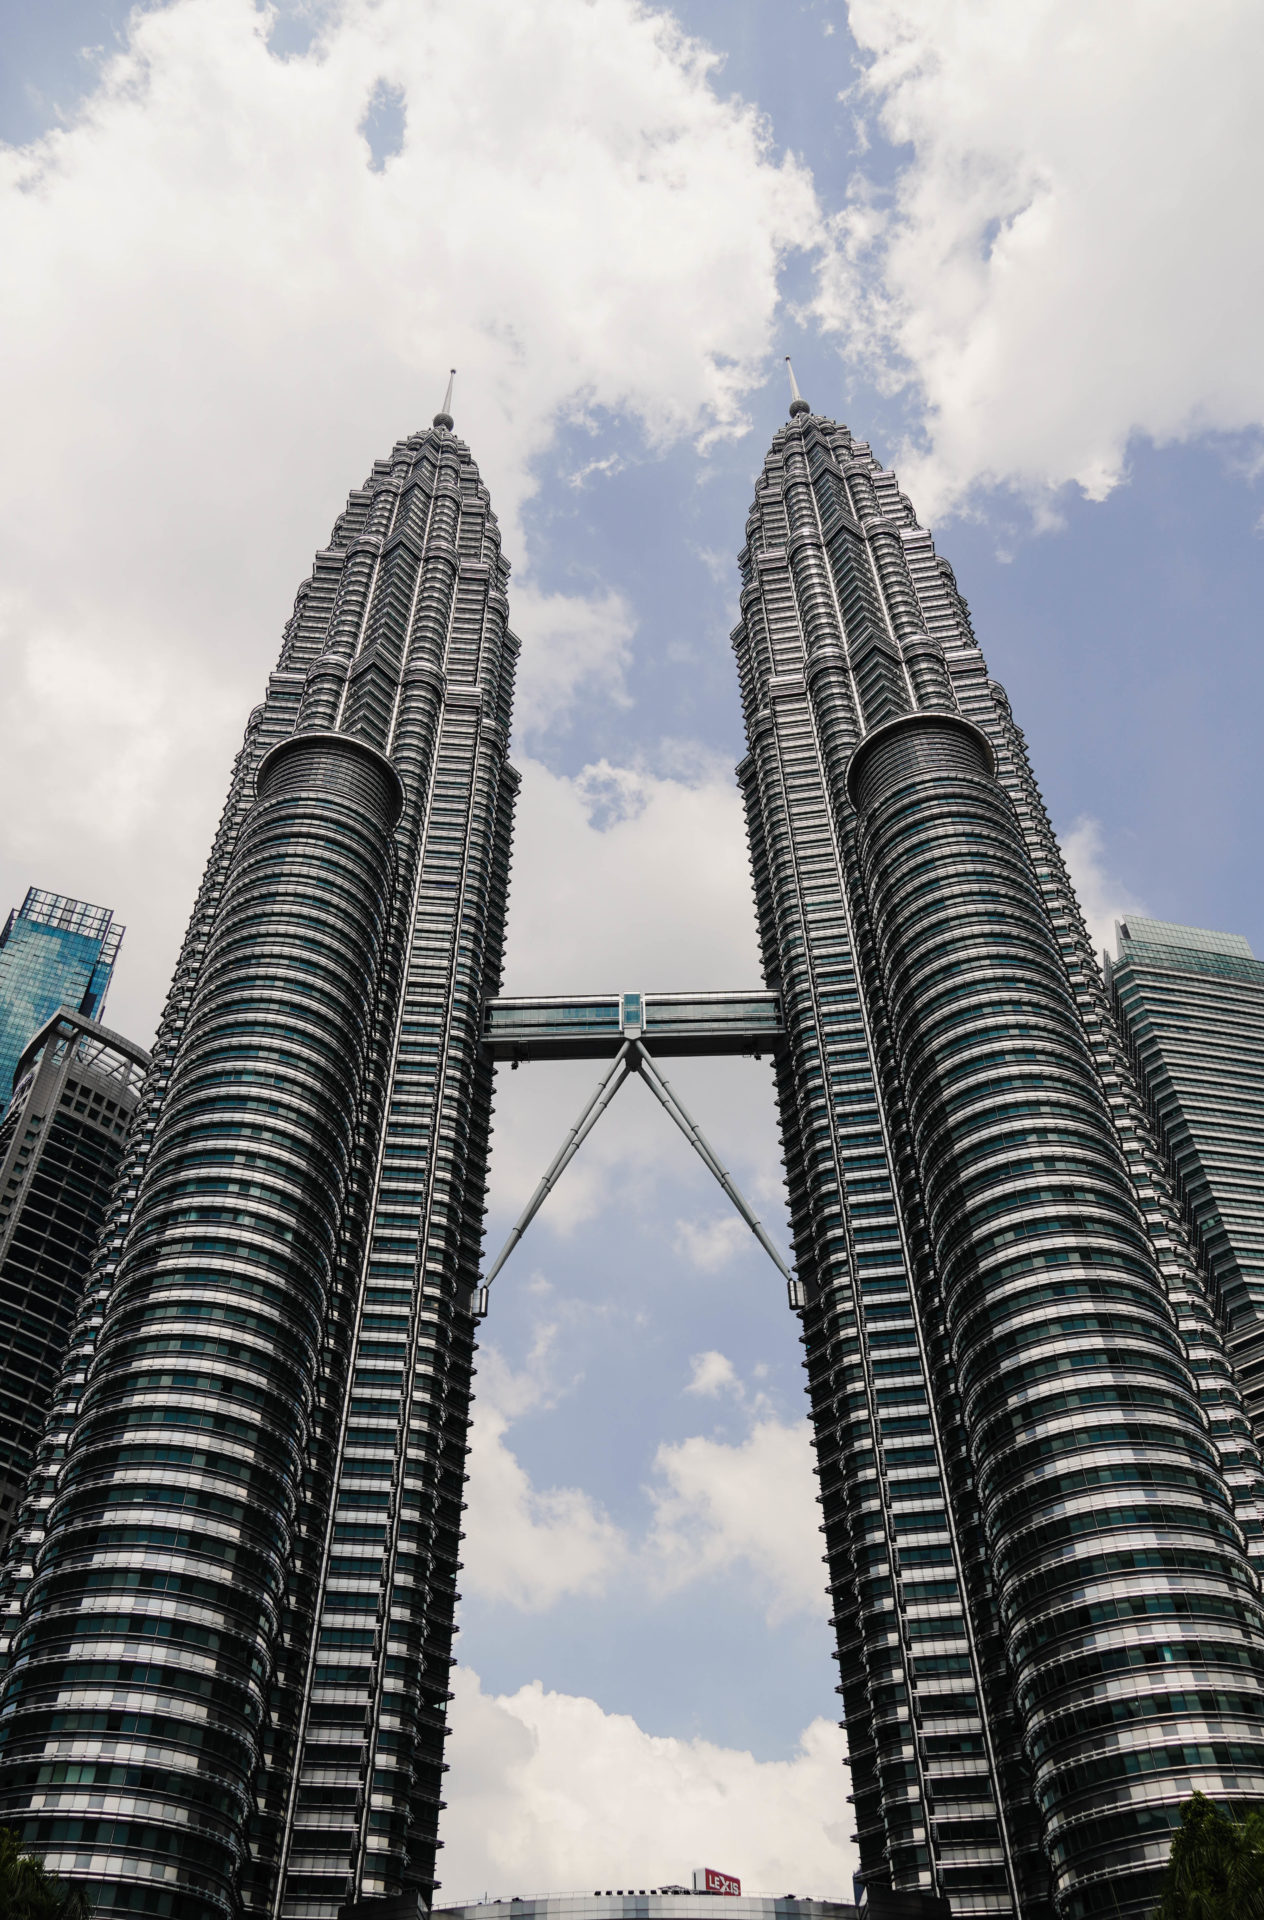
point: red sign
(715, 1882)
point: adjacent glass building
(228, 1608)
(61, 1149)
(1191, 1007)
(54, 952)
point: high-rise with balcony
(1037, 1500)
(54, 952)
(233, 1590)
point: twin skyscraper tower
(230, 1600)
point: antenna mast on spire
(797, 403)
(444, 416)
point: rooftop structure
(677, 1902)
(654, 1903)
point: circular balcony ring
(388, 788)
(862, 773)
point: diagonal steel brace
(676, 1107)
(634, 1057)
(607, 1088)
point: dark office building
(61, 1147)
(231, 1595)
(1191, 1006)
(54, 952)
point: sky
(1013, 243)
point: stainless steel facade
(230, 1608)
(1036, 1497)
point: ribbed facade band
(1036, 1496)
(230, 1609)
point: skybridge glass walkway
(596, 1026)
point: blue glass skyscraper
(54, 952)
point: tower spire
(797, 403)
(444, 416)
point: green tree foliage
(1216, 1869)
(29, 1892)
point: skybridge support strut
(634, 1057)
(693, 1133)
(607, 1087)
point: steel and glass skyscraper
(1190, 1004)
(54, 952)
(229, 1614)
(1048, 1627)
(233, 1607)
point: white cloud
(714, 1505)
(523, 1818)
(571, 645)
(612, 464)
(216, 313)
(1073, 253)
(711, 1244)
(524, 1546)
(1103, 897)
(747, 1507)
(712, 1374)
(630, 876)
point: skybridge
(633, 1030)
(595, 1026)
